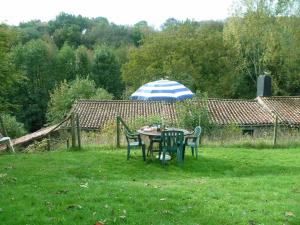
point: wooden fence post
(118, 132)
(48, 143)
(78, 131)
(73, 130)
(275, 131)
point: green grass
(224, 186)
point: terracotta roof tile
(241, 112)
(287, 108)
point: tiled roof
(95, 114)
(241, 112)
(286, 108)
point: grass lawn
(224, 186)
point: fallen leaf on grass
(99, 223)
(123, 217)
(74, 206)
(61, 192)
(289, 214)
(84, 185)
(162, 199)
(251, 222)
(167, 212)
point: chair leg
(128, 152)
(150, 148)
(159, 154)
(192, 148)
(144, 152)
(178, 155)
(164, 158)
(183, 152)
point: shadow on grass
(207, 167)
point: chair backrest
(124, 124)
(127, 135)
(197, 133)
(171, 140)
(132, 137)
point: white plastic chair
(7, 141)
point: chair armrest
(188, 138)
(135, 137)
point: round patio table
(155, 133)
(154, 136)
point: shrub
(64, 95)
(13, 128)
(194, 112)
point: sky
(126, 12)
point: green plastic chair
(193, 141)
(172, 142)
(134, 141)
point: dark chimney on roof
(264, 86)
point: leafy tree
(247, 37)
(68, 28)
(34, 29)
(106, 71)
(65, 94)
(139, 31)
(9, 75)
(171, 23)
(260, 41)
(192, 53)
(36, 60)
(66, 63)
(83, 61)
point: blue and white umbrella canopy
(162, 90)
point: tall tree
(36, 60)
(9, 75)
(68, 28)
(106, 71)
(139, 31)
(34, 29)
(83, 61)
(259, 41)
(66, 63)
(192, 53)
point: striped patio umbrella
(162, 90)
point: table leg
(150, 148)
